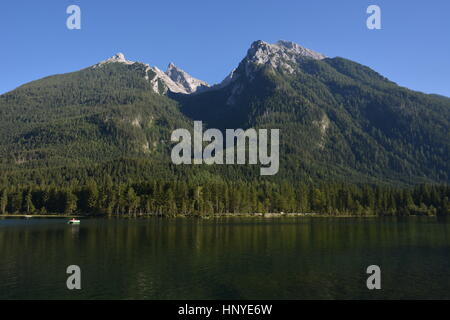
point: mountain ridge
(339, 120)
(174, 79)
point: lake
(232, 258)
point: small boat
(74, 221)
(28, 217)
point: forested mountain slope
(339, 121)
(86, 119)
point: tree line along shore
(159, 198)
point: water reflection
(226, 259)
(74, 231)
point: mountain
(174, 79)
(339, 121)
(71, 124)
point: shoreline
(185, 216)
(39, 216)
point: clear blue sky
(208, 38)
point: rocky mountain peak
(280, 55)
(297, 49)
(174, 79)
(117, 58)
(283, 56)
(182, 78)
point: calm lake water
(293, 258)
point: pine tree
(3, 201)
(28, 203)
(92, 195)
(70, 202)
(132, 200)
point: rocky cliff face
(174, 79)
(283, 55)
(183, 79)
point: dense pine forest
(180, 198)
